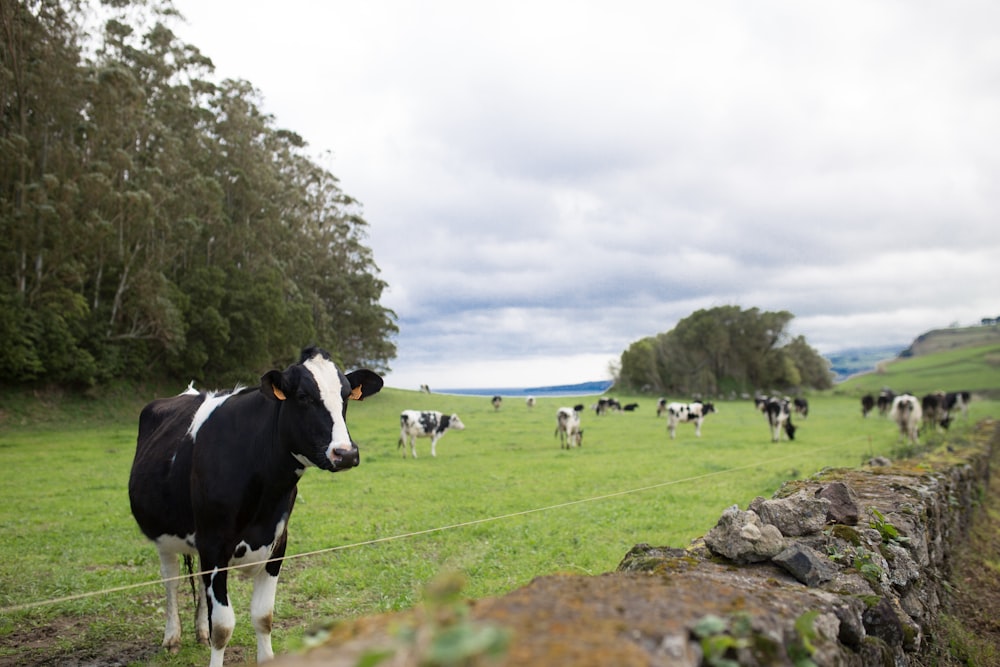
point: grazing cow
(425, 389)
(661, 406)
(431, 424)
(867, 404)
(687, 412)
(906, 412)
(884, 401)
(801, 407)
(216, 473)
(958, 400)
(631, 407)
(497, 402)
(578, 407)
(568, 428)
(935, 414)
(779, 416)
(604, 404)
(530, 401)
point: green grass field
(501, 503)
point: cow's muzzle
(342, 459)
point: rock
(843, 504)
(796, 515)
(742, 537)
(806, 564)
(881, 621)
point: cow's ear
(270, 385)
(364, 383)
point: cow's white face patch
(327, 378)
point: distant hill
(939, 340)
(581, 389)
(846, 363)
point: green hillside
(941, 364)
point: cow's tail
(189, 566)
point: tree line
(154, 222)
(721, 351)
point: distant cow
(568, 428)
(497, 402)
(779, 416)
(431, 424)
(425, 389)
(884, 401)
(605, 404)
(957, 400)
(631, 407)
(867, 404)
(801, 407)
(215, 474)
(935, 414)
(661, 406)
(687, 412)
(907, 413)
(530, 401)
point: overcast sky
(547, 182)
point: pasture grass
(501, 503)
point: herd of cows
(215, 473)
(934, 411)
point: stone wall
(848, 567)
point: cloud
(546, 183)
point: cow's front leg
(221, 618)
(265, 585)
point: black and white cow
(884, 401)
(497, 401)
(801, 406)
(661, 406)
(957, 400)
(431, 424)
(935, 412)
(779, 416)
(530, 402)
(604, 404)
(687, 412)
(867, 404)
(907, 413)
(568, 428)
(215, 474)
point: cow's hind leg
(170, 570)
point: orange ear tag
(278, 394)
(356, 393)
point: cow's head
(312, 419)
